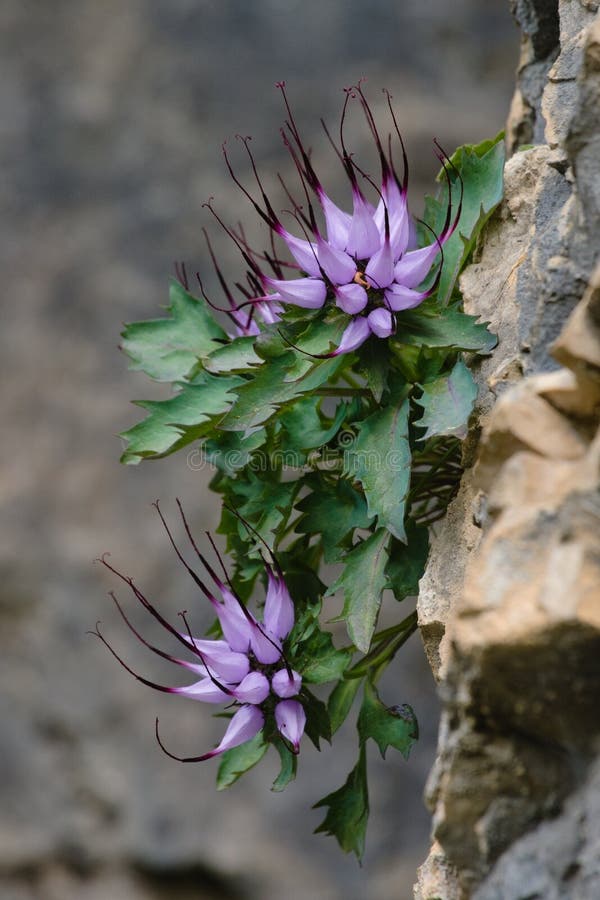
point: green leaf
(318, 661)
(265, 503)
(167, 349)
(283, 380)
(447, 403)
(374, 366)
(482, 168)
(380, 459)
(350, 513)
(306, 427)
(388, 726)
(230, 451)
(341, 700)
(289, 765)
(452, 329)
(348, 812)
(317, 718)
(236, 356)
(234, 763)
(184, 418)
(362, 582)
(406, 563)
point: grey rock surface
(112, 116)
(513, 632)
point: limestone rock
(512, 623)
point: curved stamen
(142, 639)
(181, 274)
(146, 604)
(184, 759)
(400, 138)
(194, 576)
(152, 684)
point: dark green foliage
(343, 461)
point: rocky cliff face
(510, 603)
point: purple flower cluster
(364, 262)
(246, 669)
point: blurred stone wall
(510, 604)
(112, 116)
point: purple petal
(270, 312)
(253, 689)
(245, 324)
(304, 252)
(279, 608)
(414, 266)
(363, 238)
(399, 297)
(337, 265)
(399, 220)
(236, 626)
(381, 322)
(266, 647)
(355, 334)
(309, 293)
(380, 268)
(205, 691)
(224, 663)
(286, 683)
(337, 222)
(291, 719)
(352, 298)
(245, 724)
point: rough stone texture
(112, 118)
(510, 604)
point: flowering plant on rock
(329, 389)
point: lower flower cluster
(246, 669)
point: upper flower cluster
(245, 669)
(365, 262)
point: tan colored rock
(578, 346)
(437, 878)
(579, 398)
(510, 602)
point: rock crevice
(510, 602)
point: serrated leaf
(388, 726)
(374, 365)
(447, 403)
(341, 700)
(380, 459)
(318, 660)
(318, 725)
(174, 423)
(482, 168)
(289, 766)
(236, 356)
(306, 427)
(230, 451)
(168, 349)
(406, 563)
(283, 380)
(348, 812)
(320, 336)
(451, 329)
(362, 582)
(350, 513)
(234, 763)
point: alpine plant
(364, 263)
(246, 669)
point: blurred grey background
(112, 116)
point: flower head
(245, 669)
(363, 262)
